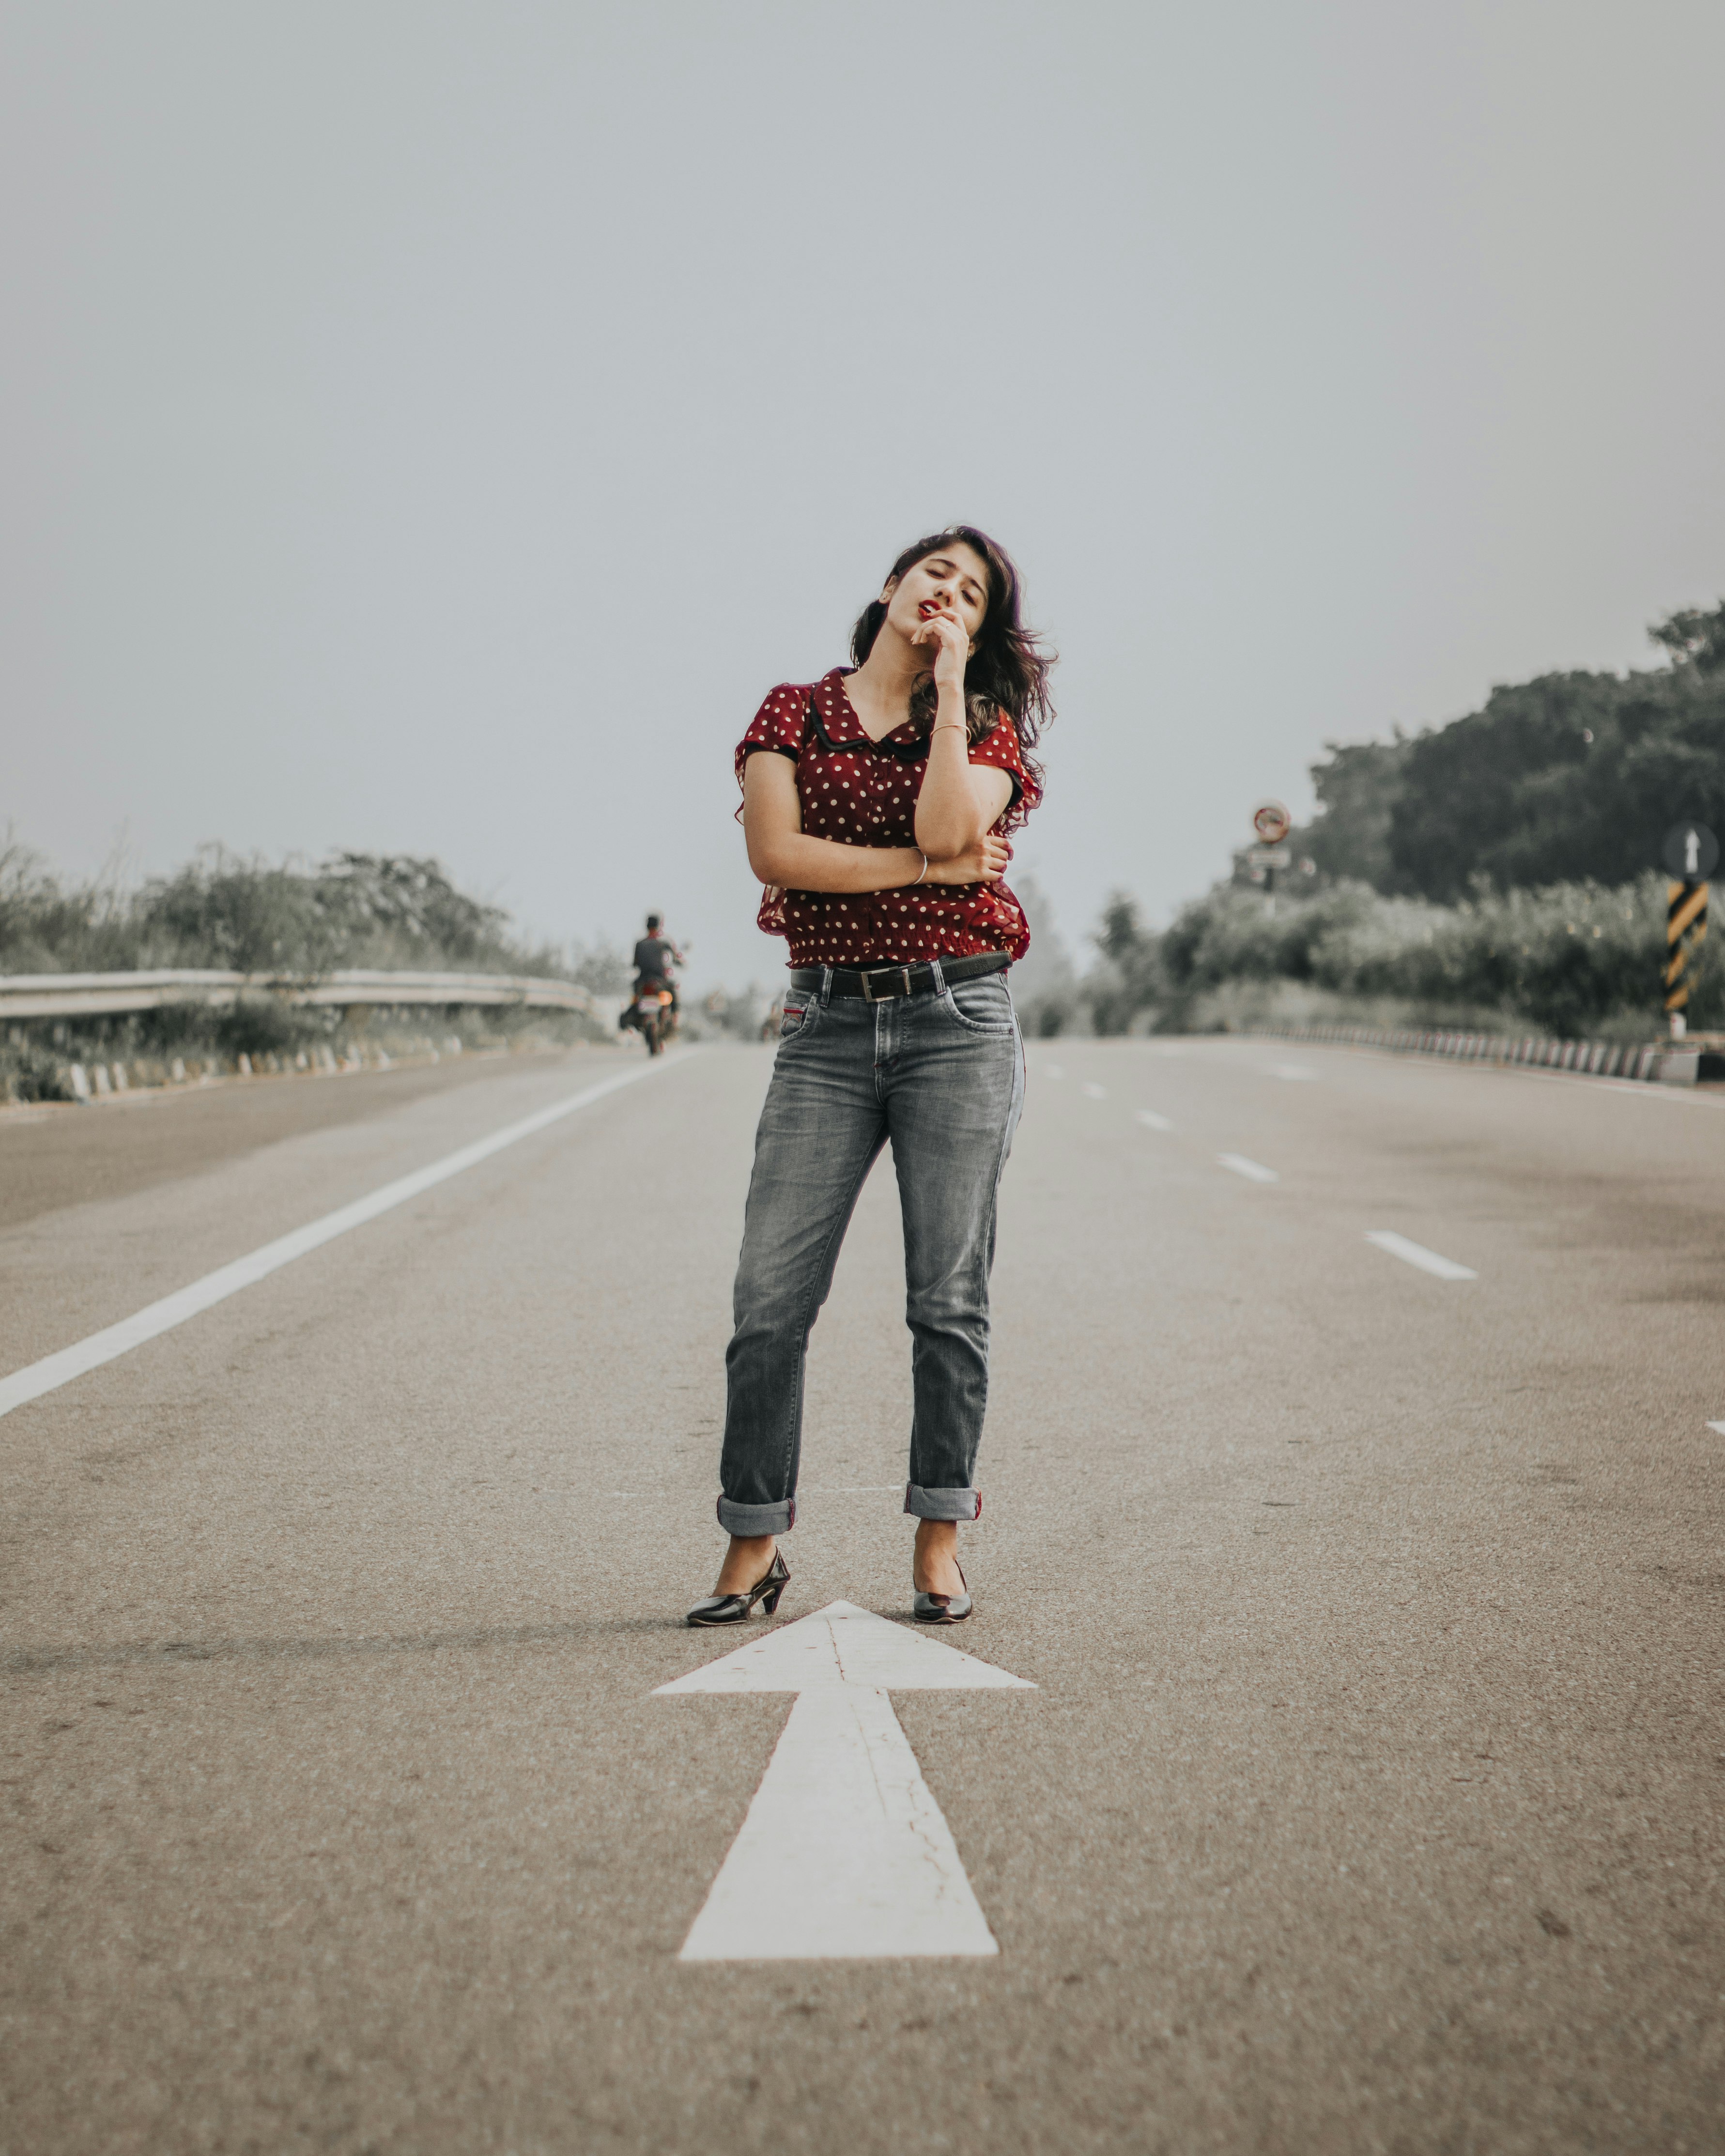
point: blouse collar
(840, 726)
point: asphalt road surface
(1370, 1794)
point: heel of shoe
(943, 1609)
(738, 1609)
(778, 1575)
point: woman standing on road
(876, 803)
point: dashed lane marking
(1152, 1122)
(55, 1370)
(1094, 1092)
(1416, 1253)
(1719, 1426)
(1254, 1171)
(1298, 1071)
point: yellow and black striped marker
(1685, 923)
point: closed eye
(939, 565)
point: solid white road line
(58, 1369)
(1094, 1092)
(1416, 1253)
(844, 1855)
(1152, 1122)
(1252, 1170)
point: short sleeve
(1001, 748)
(779, 725)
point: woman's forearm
(795, 862)
(949, 816)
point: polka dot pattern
(861, 792)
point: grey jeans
(940, 1076)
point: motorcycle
(653, 1014)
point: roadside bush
(48, 928)
(395, 913)
(263, 1025)
(1569, 959)
(392, 911)
(30, 1072)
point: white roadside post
(844, 1855)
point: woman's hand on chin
(984, 862)
(951, 649)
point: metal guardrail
(81, 995)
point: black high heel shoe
(943, 1609)
(738, 1609)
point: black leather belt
(879, 985)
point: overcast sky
(432, 427)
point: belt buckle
(891, 994)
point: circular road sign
(1271, 822)
(1690, 851)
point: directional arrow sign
(845, 1854)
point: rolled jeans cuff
(748, 1520)
(941, 1504)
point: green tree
(1358, 786)
(1694, 637)
(1504, 792)
(1570, 776)
(1129, 979)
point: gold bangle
(948, 726)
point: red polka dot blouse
(862, 792)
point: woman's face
(954, 581)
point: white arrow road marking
(1416, 1253)
(1152, 1121)
(844, 1855)
(53, 1371)
(1254, 1171)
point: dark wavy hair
(1007, 671)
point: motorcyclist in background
(655, 955)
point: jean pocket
(983, 1005)
(798, 1018)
